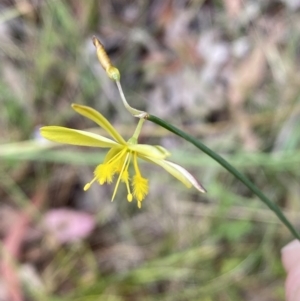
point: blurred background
(226, 71)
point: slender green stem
(134, 112)
(227, 166)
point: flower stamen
(125, 178)
(88, 185)
(118, 156)
(140, 184)
(124, 168)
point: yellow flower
(120, 155)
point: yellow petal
(75, 137)
(152, 151)
(178, 172)
(100, 120)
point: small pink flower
(68, 225)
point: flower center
(119, 164)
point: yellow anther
(87, 186)
(129, 197)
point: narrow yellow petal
(100, 120)
(178, 172)
(75, 137)
(157, 152)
